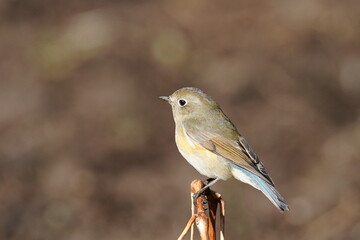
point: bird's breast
(204, 161)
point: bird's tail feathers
(268, 190)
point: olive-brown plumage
(210, 142)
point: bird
(211, 143)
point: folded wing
(234, 148)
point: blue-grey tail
(272, 194)
(268, 190)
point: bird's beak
(165, 98)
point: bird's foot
(197, 195)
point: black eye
(182, 102)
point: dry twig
(205, 218)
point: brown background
(87, 149)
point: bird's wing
(237, 150)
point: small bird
(210, 142)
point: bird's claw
(197, 195)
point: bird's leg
(211, 181)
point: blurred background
(87, 149)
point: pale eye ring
(182, 102)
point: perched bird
(210, 142)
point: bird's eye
(182, 102)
